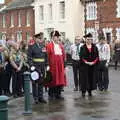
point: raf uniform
(37, 58)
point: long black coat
(88, 81)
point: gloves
(48, 68)
(32, 68)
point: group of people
(90, 66)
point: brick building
(17, 20)
(103, 15)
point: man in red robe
(56, 58)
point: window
(2, 1)
(3, 21)
(118, 8)
(27, 36)
(28, 18)
(50, 11)
(91, 11)
(4, 36)
(62, 10)
(19, 19)
(62, 36)
(41, 13)
(118, 33)
(108, 34)
(12, 20)
(94, 32)
(19, 36)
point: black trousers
(76, 73)
(17, 83)
(2, 82)
(55, 91)
(103, 76)
(37, 86)
(37, 90)
(8, 75)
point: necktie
(77, 51)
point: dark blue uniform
(37, 58)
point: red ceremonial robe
(56, 63)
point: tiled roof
(16, 4)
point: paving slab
(102, 106)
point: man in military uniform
(37, 60)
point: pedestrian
(56, 58)
(88, 60)
(16, 61)
(37, 59)
(117, 53)
(67, 46)
(104, 59)
(75, 49)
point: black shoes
(75, 89)
(90, 94)
(36, 101)
(83, 94)
(41, 100)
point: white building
(66, 16)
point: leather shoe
(36, 101)
(42, 100)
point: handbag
(48, 77)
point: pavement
(102, 106)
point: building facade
(66, 16)
(17, 20)
(103, 15)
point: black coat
(88, 81)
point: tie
(77, 52)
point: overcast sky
(1, 1)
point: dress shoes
(41, 100)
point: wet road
(102, 106)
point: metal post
(27, 105)
(3, 108)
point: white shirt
(104, 51)
(57, 49)
(75, 51)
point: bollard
(3, 107)
(27, 104)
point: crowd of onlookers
(83, 55)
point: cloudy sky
(1, 1)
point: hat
(89, 35)
(34, 75)
(39, 35)
(55, 33)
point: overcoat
(56, 63)
(88, 81)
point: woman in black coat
(88, 61)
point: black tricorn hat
(55, 33)
(89, 35)
(38, 35)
